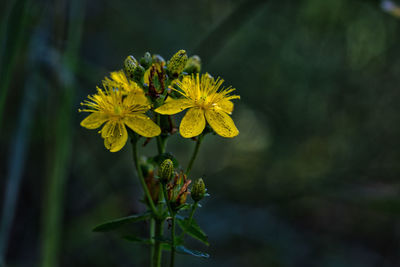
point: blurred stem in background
(20, 143)
(12, 28)
(53, 201)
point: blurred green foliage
(316, 164)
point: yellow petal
(119, 76)
(173, 106)
(221, 123)
(107, 129)
(225, 105)
(146, 76)
(117, 139)
(94, 120)
(136, 98)
(143, 125)
(193, 123)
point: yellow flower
(118, 109)
(120, 81)
(205, 102)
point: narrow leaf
(193, 230)
(163, 239)
(114, 224)
(136, 239)
(196, 253)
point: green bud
(158, 59)
(177, 63)
(138, 73)
(146, 60)
(130, 64)
(193, 65)
(198, 190)
(166, 170)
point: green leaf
(163, 239)
(196, 253)
(136, 239)
(114, 224)
(183, 207)
(193, 230)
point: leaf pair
(192, 228)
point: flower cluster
(133, 97)
(141, 101)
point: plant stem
(194, 155)
(152, 241)
(157, 247)
(141, 178)
(172, 213)
(194, 206)
(160, 147)
(192, 212)
(148, 196)
(172, 260)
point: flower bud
(138, 74)
(193, 65)
(158, 59)
(130, 64)
(177, 63)
(198, 190)
(182, 199)
(146, 60)
(166, 170)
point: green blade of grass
(12, 40)
(53, 201)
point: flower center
(202, 102)
(117, 110)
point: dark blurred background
(312, 179)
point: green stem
(157, 247)
(172, 260)
(194, 155)
(152, 241)
(172, 213)
(194, 206)
(141, 178)
(160, 146)
(192, 212)
(164, 189)
(148, 196)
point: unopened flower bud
(198, 190)
(138, 74)
(146, 60)
(166, 170)
(158, 59)
(130, 64)
(182, 199)
(193, 65)
(177, 63)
